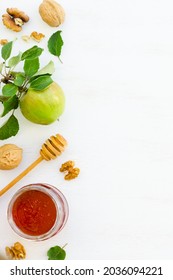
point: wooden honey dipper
(52, 148)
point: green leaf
(10, 104)
(31, 66)
(10, 128)
(3, 98)
(19, 80)
(56, 253)
(13, 61)
(33, 78)
(48, 69)
(41, 82)
(55, 44)
(32, 53)
(9, 90)
(6, 50)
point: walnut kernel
(18, 21)
(14, 19)
(15, 13)
(10, 156)
(37, 36)
(51, 12)
(3, 42)
(70, 171)
(9, 23)
(25, 38)
(16, 252)
(67, 165)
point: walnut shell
(10, 156)
(52, 12)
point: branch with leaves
(15, 84)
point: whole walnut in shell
(10, 156)
(52, 12)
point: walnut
(15, 13)
(25, 38)
(16, 252)
(9, 23)
(72, 173)
(10, 156)
(68, 168)
(52, 12)
(37, 36)
(14, 19)
(3, 42)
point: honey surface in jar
(34, 212)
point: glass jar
(37, 211)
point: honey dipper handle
(20, 176)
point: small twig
(64, 246)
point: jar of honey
(38, 211)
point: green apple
(43, 107)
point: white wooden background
(117, 75)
